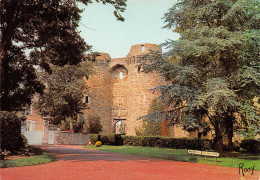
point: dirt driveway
(75, 162)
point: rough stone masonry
(120, 92)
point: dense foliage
(10, 132)
(152, 123)
(93, 124)
(35, 34)
(247, 145)
(114, 139)
(250, 145)
(110, 139)
(64, 93)
(95, 137)
(38, 32)
(177, 143)
(213, 69)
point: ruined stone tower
(119, 92)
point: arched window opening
(143, 48)
(121, 75)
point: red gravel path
(75, 162)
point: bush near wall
(104, 140)
(10, 131)
(110, 139)
(168, 142)
(250, 145)
(247, 145)
(152, 141)
(115, 139)
(94, 138)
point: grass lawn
(42, 158)
(229, 159)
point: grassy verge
(229, 159)
(43, 158)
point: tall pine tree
(213, 69)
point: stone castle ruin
(120, 92)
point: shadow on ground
(77, 154)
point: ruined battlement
(136, 51)
(132, 57)
(140, 49)
(103, 58)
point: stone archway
(117, 62)
(119, 126)
(119, 84)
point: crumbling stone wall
(70, 138)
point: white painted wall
(33, 137)
(51, 137)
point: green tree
(216, 67)
(47, 30)
(10, 132)
(35, 33)
(153, 121)
(93, 124)
(64, 93)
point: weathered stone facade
(120, 92)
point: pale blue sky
(143, 24)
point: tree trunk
(230, 137)
(2, 55)
(71, 122)
(219, 138)
(229, 132)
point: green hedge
(152, 141)
(110, 139)
(94, 138)
(104, 140)
(250, 145)
(115, 139)
(247, 145)
(168, 142)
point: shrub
(104, 139)
(94, 125)
(98, 143)
(94, 138)
(151, 127)
(78, 127)
(177, 143)
(111, 139)
(250, 145)
(4, 154)
(115, 139)
(25, 140)
(10, 131)
(152, 122)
